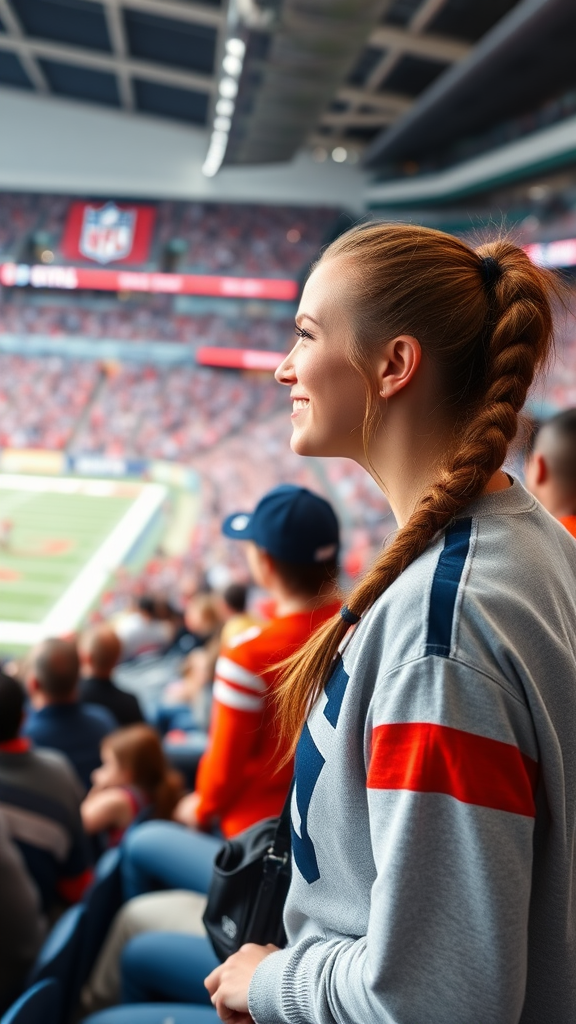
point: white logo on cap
(239, 522)
(323, 554)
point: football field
(61, 538)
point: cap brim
(237, 526)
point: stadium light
(228, 88)
(225, 107)
(232, 62)
(232, 65)
(236, 48)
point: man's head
(54, 671)
(100, 651)
(234, 597)
(12, 701)
(551, 466)
(293, 535)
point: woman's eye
(301, 333)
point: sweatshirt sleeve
(451, 767)
(238, 703)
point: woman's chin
(302, 445)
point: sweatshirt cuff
(265, 992)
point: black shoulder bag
(249, 887)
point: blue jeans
(167, 967)
(164, 855)
(172, 716)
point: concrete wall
(49, 144)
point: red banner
(108, 232)
(72, 278)
(561, 253)
(239, 358)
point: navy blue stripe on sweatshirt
(445, 587)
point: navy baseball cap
(291, 524)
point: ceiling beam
(112, 64)
(116, 31)
(419, 21)
(425, 14)
(198, 14)
(352, 119)
(385, 101)
(432, 47)
(15, 32)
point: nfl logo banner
(108, 232)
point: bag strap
(282, 841)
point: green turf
(53, 537)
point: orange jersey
(570, 523)
(239, 781)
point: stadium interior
(170, 171)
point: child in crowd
(134, 777)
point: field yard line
(75, 602)
(19, 633)
(10, 502)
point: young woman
(434, 847)
(134, 776)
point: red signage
(239, 358)
(40, 276)
(561, 253)
(108, 232)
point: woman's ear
(398, 364)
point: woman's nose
(285, 372)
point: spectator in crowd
(22, 925)
(551, 468)
(100, 651)
(185, 700)
(144, 629)
(56, 717)
(292, 549)
(40, 797)
(237, 619)
(134, 778)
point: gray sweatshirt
(434, 833)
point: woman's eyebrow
(300, 316)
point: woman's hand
(228, 985)
(185, 810)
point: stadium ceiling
(321, 73)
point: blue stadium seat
(102, 900)
(155, 1013)
(40, 1004)
(61, 958)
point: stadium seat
(60, 958)
(102, 900)
(155, 1013)
(40, 1004)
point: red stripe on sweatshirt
(427, 758)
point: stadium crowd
(152, 320)
(42, 400)
(171, 413)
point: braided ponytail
(484, 317)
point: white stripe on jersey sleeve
(232, 698)
(229, 671)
